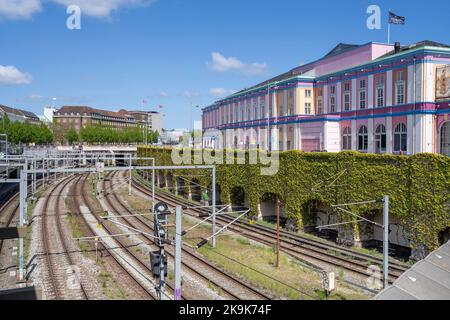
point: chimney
(397, 47)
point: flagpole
(389, 33)
(389, 27)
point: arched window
(445, 139)
(400, 138)
(347, 139)
(380, 139)
(363, 139)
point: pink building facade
(373, 98)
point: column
(389, 142)
(339, 107)
(355, 88)
(285, 133)
(389, 88)
(370, 129)
(411, 129)
(370, 92)
(410, 85)
(354, 136)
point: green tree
(71, 136)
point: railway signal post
(386, 241)
(178, 231)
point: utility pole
(277, 263)
(386, 241)
(158, 259)
(129, 177)
(22, 200)
(214, 207)
(178, 231)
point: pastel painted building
(374, 98)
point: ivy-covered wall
(418, 186)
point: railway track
(58, 257)
(295, 245)
(119, 262)
(7, 213)
(234, 288)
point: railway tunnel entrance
(196, 190)
(239, 199)
(181, 187)
(161, 180)
(444, 236)
(268, 209)
(169, 182)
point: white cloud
(190, 94)
(219, 63)
(163, 94)
(25, 9)
(19, 9)
(220, 92)
(10, 75)
(103, 8)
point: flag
(395, 19)
(144, 102)
(160, 107)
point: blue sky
(176, 53)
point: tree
(71, 136)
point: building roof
(29, 115)
(85, 109)
(424, 43)
(11, 110)
(341, 48)
(428, 279)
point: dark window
(380, 139)
(363, 139)
(400, 138)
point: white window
(347, 139)
(362, 94)
(347, 99)
(319, 105)
(332, 104)
(307, 108)
(380, 91)
(307, 93)
(362, 99)
(400, 88)
(380, 97)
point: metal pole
(386, 241)
(153, 187)
(162, 284)
(277, 263)
(34, 177)
(214, 207)
(129, 178)
(178, 230)
(22, 200)
(43, 173)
